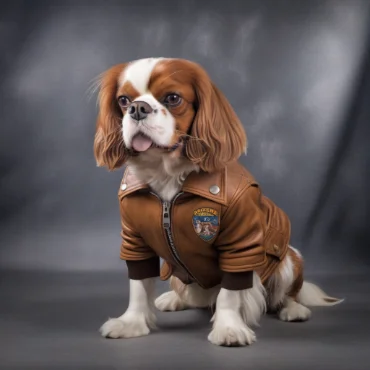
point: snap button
(123, 186)
(214, 189)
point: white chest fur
(165, 175)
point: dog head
(165, 107)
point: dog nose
(139, 110)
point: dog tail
(311, 295)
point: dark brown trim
(143, 269)
(237, 280)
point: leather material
(166, 271)
(252, 232)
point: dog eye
(173, 100)
(124, 101)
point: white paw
(229, 336)
(170, 301)
(129, 325)
(294, 312)
(231, 331)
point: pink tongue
(141, 143)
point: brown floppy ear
(109, 149)
(217, 135)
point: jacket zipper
(166, 221)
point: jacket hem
(243, 268)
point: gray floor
(50, 321)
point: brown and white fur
(236, 312)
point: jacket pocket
(275, 243)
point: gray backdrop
(295, 72)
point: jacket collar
(197, 183)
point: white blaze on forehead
(138, 73)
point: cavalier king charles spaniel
(165, 119)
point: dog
(186, 198)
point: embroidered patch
(206, 223)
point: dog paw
(170, 301)
(224, 334)
(127, 326)
(294, 312)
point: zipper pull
(166, 215)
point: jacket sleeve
(142, 262)
(240, 241)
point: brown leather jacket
(217, 230)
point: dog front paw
(231, 332)
(129, 325)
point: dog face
(165, 107)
